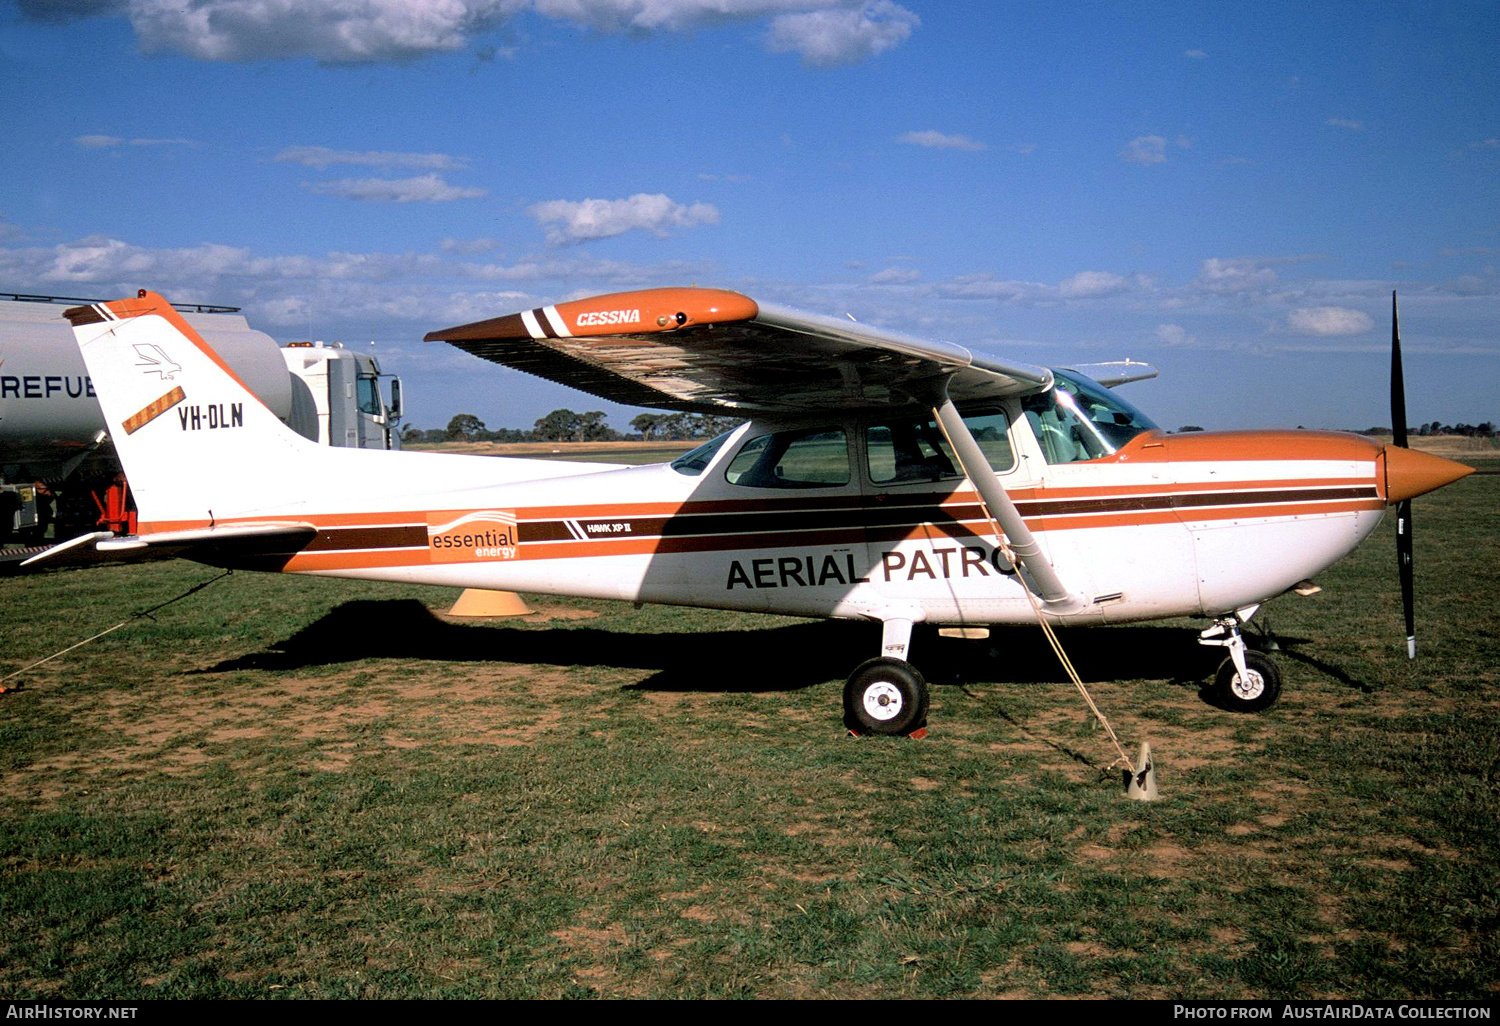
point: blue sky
(1229, 192)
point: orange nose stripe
(1409, 473)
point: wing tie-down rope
(1052, 639)
(133, 616)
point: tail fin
(196, 443)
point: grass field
(307, 788)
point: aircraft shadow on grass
(786, 658)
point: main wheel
(885, 696)
(1257, 690)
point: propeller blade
(1403, 508)
(1398, 382)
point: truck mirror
(395, 405)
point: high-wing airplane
(877, 477)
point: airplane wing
(714, 351)
(1115, 372)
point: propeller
(1403, 508)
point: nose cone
(1409, 472)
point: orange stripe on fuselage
(969, 529)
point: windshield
(1081, 420)
(693, 461)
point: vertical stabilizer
(196, 443)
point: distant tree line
(1485, 430)
(567, 426)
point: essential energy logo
(485, 534)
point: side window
(369, 396)
(792, 459)
(915, 449)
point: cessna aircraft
(877, 477)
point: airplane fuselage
(1168, 525)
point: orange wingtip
(620, 313)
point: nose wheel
(1247, 681)
(1255, 688)
(885, 696)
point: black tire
(1259, 691)
(887, 697)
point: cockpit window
(818, 458)
(1080, 420)
(695, 460)
(914, 449)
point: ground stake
(1140, 783)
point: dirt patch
(546, 614)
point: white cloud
(1173, 335)
(99, 142)
(1145, 149)
(1196, 55)
(412, 289)
(421, 189)
(1025, 149)
(841, 34)
(1235, 275)
(1086, 284)
(1325, 321)
(896, 276)
(1353, 126)
(939, 141)
(666, 15)
(322, 157)
(823, 32)
(332, 31)
(570, 221)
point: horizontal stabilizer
(240, 539)
(240, 533)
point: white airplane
(878, 477)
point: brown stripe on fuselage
(380, 539)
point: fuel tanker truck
(59, 476)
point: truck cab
(337, 399)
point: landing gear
(885, 696)
(1250, 690)
(1247, 681)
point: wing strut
(1048, 586)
